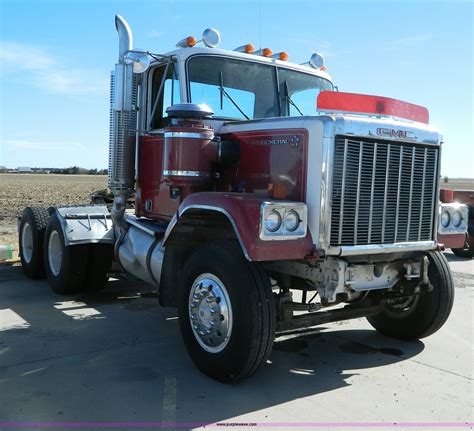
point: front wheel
(226, 312)
(420, 315)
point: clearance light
(187, 42)
(265, 52)
(283, 56)
(350, 102)
(248, 49)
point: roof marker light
(283, 56)
(248, 49)
(187, 42)
(265, 52)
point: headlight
(457, 219)
(283, 220)
(292, 220)
(272, 221)
(445, 218)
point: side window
(168, 95)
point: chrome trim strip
(422, 195)
(326, 192)
(400, 163)
(172, 173)
(359, 172)
(343, 187)
(400, 247)
(411, 193)
(434, 197)
(189, 135)
(387, 170)
(374, 165)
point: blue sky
(56, 56)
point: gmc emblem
(392, 133)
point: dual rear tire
(69, 269)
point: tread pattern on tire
(39, 220)
(262, 310)
(431, 311)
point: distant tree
(92, 172)
(446, 179)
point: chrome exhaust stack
(123, 124)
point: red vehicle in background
(456, 212)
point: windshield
(238, 89)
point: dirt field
(20, 190)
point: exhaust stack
(123, 99)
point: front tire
(226, 312)
(421, 315)
(66, 266)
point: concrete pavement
(117, 356)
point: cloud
(51, 73)
(408, 41)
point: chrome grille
(382, 192)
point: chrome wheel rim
(210, 313)
(27, 242)
(55, 253)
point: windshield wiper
(224, 93)
(289, 99)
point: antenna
(260, 19)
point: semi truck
(266, 201)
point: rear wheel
(467, 251)
(226, 312)
(420, 315)
(65, 265)
(98, 266)
(31, 238)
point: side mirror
(139, 59)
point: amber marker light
(283, 56)
(248, 49)
(188, 42)
(267, 52)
